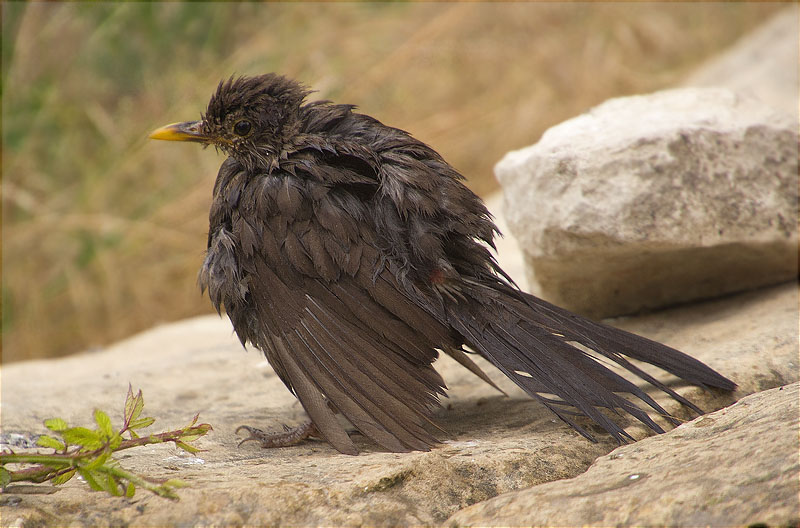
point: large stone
(654, 200)
(496, 444)
(734, 467)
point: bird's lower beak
(188, 131)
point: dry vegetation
(103, 230)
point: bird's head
(249, 118)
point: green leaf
(103, 423)
(191, 437)
(64, 477)
(83, 437)
(49, 441)
(56, 424)
(5, 477)
(141, 423)
(97, 462)
(131, 490)
(129, 403)
(112, 486)
(138, 406)
(187, 447)
(91, 479)
(133, 405)
(192, 433)
(115, 441)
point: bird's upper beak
(187, 131)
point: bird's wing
(335, 325)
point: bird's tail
(555, 356)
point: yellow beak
(187, 131)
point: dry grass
(103, 231)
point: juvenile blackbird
(350, 254)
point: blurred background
(103, 230)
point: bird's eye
(242, 128)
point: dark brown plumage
(349, 252)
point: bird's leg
(288, 437)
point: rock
(762, 64)
(655, 200)
(496, 444)
(734, 467)
(509, 255)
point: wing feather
(340, 350)
(314, 402)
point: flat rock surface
(496, 444)
(734, 467)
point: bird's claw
(289, 437)
(255, 434)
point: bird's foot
(288, 437)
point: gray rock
(509, 255)
(496, 444)
(734, 467)
(654, 200)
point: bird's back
(426, 221)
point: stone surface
(509, 255)
(654, 200)
(762, 64)
(735, 467)
(496, 444)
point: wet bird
(351, 253)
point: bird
(352, 254)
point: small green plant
(88, 452)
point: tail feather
(612, 342)
(530, 341)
